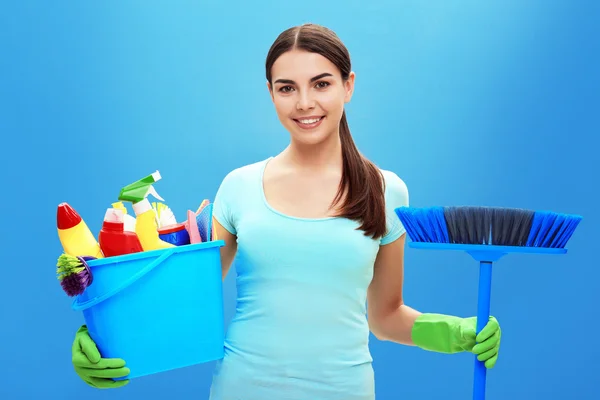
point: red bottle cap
(171, 228)
(112, 226)
(66, 216)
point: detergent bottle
(175, 234)
(114, 241)
(74, 234)
(128, 220)
(146, 226)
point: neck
(325, 155)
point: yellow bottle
(146, 226)
(74, 234)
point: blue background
(488, 103)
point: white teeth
(309, 121)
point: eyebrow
(315, 78)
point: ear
(270, 89)
(349, 87)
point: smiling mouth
(309, 123)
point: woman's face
(309, 95)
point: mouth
(309, 122)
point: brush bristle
(550, 229)
(74, 284)
(67, 264)
(488, 226)
(424, 224)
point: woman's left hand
(450, 334)
(487, 341)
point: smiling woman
(314, 235)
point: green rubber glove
(449, 334)
(92, 368)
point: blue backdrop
(488, 103)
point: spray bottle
(128, 220)
(146, 226)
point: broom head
(499, 226)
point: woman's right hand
(92, 368)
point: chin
(313, 138)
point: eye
(285, 89)
(322, 85)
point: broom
(487, 234)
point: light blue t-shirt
(300, 330)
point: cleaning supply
(175, 234)
(164, 215)
(487, 234)
(158, 310)
(114, 241)
(146, 226)
(204, 222)
(192, 227)
(74, 274)
(213, 230)
(128, 220)
(74, 234)
(204, 203)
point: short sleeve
(396, 195)
(223, 203)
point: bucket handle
(92, 302)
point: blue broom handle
(483, 315)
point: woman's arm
(389, 318)
(228, 251)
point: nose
(305, 101)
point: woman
(315, 238)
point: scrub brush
(74, 274)
(487, 234)
(164, 214)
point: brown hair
(362, 181)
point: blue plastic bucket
(158, 310)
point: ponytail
(362, 185)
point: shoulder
(396, 195)
(244, 174)
(234, 192)
(396, 190)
